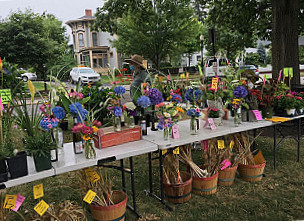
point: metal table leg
(123, 179)
(254, 142)
(274, 145)
(133, 188)
(299, 139)
(150, 173)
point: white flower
(167, 115)
(130, 105)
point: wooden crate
(110, 138)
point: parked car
(29, 76)
(250, 68)
(84, 75)
(215, 67)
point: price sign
(226, 164)
(38, 191)
(164, 152)
(176, 151)
(41, 207)
(211, 123)
(175, 132)
(221, 144)
(214, 83)
(231, 144)
(10, 201)
(19, 202)
(89, 197)
(257, 114)
(5, 95)
(92, 176)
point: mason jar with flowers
(239, 94)
(193, 96)
(299, 104)
(130, 110)
(194, 114)
(156, 97)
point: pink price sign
(175, 132)
(257, 114)
(19, 202)
(211, 123)
(226, 164)
(1, 104)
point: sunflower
(86, 137)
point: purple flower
(193, 94)
(117, 111)
(193, 113)
(156, 97)
(143, 101)
(240, 92)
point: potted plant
(214, 113)
(286, 102)
(299, 104)
(40, 146)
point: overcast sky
(64, 10)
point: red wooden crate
(111, 138)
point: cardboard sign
(226, 164)
(41, 207)
(5, 95)
(10, 201)
(176, 151)
(175, 132)
(89, 197)
(231, 144)
(211, 123)
(92, 176)
(19, 202)
(221, 144)
(257, 114)
(214, 83)
(38, 191)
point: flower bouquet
(130, 110)
(193, 96)
(156, 97)
(194, 113)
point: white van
(215, 67)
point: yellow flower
(236, 101)
(182, 76)
(160, 78)
(95, 129)
(168, 98)
(180, 110)
(32, 89)
(86, 137)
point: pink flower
(299, 98)
(87, 130)
(214, 109)
(77, 128)
(278, 97)
(211, 89)
(80, 95)
(96, 123)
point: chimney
(88, 12)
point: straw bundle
(171, 169)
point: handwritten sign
(41, 207)
(10, 201)
(19, 202)
(226, 164)
(257, 114)
(38, 191)
(231, 144)
(176, 151)
(221, 144)
(175, 132)
(1, 104)
(214, 83)
(164, 152)
(89, 197)
(91, 175)
(5, 95)
(211, 123)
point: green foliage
(252, 58)
(32, 40)
(213, 113)
(301, 54)
(40, 144)
(261, 53)
(285, 102)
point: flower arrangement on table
(286, 102)
(194, 113)
(130, 110)
(213, 113)
(193, 95)
(87, 129)
(299, 101)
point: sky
(64, 10)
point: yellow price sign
(10, 201)
(89, 197)
(41, 207)
(38, 191)
(231, 144)
(92, 176)
(176, 150)
(214, 83)
(221, 144)
(164, 152)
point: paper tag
(221, 144)
(164, 152)
(211, 123)
(280, 75)
(41, 207)
(38, 191)
(89, 197)
(214, 83)
(176, 151)
(231, 144)
(10, 201)
(226, 164)
(19, 202)
(175, 132)
(168, 77)
(257, 114)
(1, 105)
(92, 176)
(290, 72)
(5, 95)
(285, 72)
(187, 75)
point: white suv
(215, 67)
(84, 75)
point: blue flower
(193, 94)
(176, 98)
(156, 97)
(240, 92)
(58, 112)
(117, 111)
(48, 123)
(143, 101)
(78, 110)
(119, 90)
(191, 112)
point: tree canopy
(32, 40)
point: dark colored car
(250, 68)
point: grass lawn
(39, 85)
(279, 196)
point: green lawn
(279, 196)
(39, 85)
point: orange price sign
(214, 83)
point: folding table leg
(133, 185)
(162, 196)
(299, 138)
(150, 173)
(254, 142)
(274, 145)
(123, 179)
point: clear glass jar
(89, 149)
(167, 132)
(130, 120)
(193, 126)
(237, 117)
(117, 124)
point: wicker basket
(226, 176)
(179, 193)
(113, 212)
(205, 186)
(251, 173)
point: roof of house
(83, 18)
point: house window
(94, 37)
(80, 39)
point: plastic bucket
(42, 162)
(17, 165)
(205, 186)
(114, 212)
(226, 176)
(251, 173)
(179, 193)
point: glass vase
(167, 133)
(89, 149)
(237, 117)
(58, 136)
(193, 126)
(117, 124)
(131, 123)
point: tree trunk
(285, 46)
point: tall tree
(156, 29)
